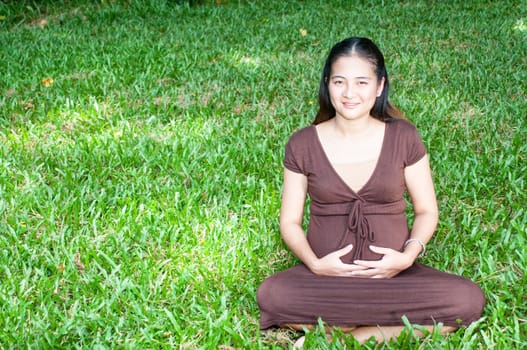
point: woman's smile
(350, 105)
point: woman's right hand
(332, 265)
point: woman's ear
(380, 88)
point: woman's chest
(385, 184)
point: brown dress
(374, 215)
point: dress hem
(428, 322)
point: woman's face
(353, 87)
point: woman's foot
(299, 343)
(387, 333)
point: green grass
(139, 191)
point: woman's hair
(366, 49)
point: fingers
(369, 264)
(380, 250)
(332, 265)
(345, 250)
(345, 270)
(352, 271)
(369, 273)
(364, 273)
(386, 267)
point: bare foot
(299, 343)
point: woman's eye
(337, 82)
(363, 83)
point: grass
(141, 146)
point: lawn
(141, 147)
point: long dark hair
(364, 48)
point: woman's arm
(294, 195)
(420, 186)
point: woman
(359, 269)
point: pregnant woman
(355, 162)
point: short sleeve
(416, 149)
(290, 159)
(297, 151)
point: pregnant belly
(328, 233)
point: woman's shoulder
(407, 141)
(402, 126)
(302, 136)
(298, 149)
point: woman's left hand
(391, 264)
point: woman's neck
(355, 128)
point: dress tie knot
(358, 223)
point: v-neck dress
(374, 215)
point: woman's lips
(349, 105)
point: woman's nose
(349, 91)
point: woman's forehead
(352, 66)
